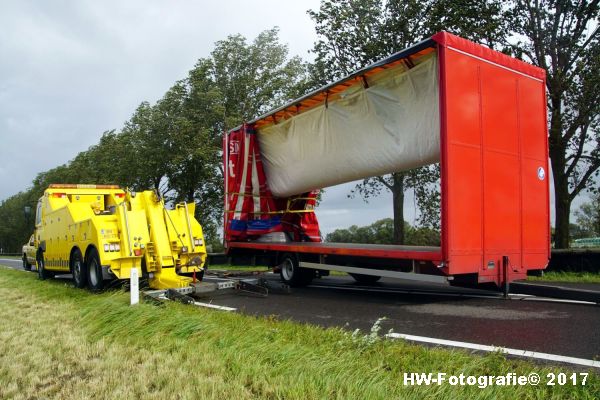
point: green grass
(227, 267)
(62, 343)
(562, 276)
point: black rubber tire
(26, 265)
(95, 281)
(78, 269)
(43, 273)
(292, 274)
(366, 279)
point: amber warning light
(81, 186)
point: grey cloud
(70, 70)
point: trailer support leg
(506, 285)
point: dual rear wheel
(87, 272)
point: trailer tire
(94, 271)
(292, 274)
(43, 273)
(78, 269)
(26, 265)
(366, 279)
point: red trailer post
(492, 147)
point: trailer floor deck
(424, 253)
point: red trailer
(481, 114)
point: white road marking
(216, 307)
(528, 297)
(505, 350)
(497, 295)
(200, 304)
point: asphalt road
(550, 327)
(444, 313)
(12, 262)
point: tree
(562, 37)
(382, 232)
(588, 218)
(255, 78)
(355, 33)
(16, 225)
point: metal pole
(134, 286)
(187, 219)
(506, 284)
(127, 228)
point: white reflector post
(134, 286)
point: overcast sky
(70, 70)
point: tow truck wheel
(292, 274)
(366, 279)
(41, 264)
(94, 271)
(78, 269)
(26, 265)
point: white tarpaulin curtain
(391, 126)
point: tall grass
(567, 276)
(60, 342)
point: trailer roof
(320, 95)
(406, 56)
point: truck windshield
(38, 213)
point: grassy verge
(60, 342)
(562, 276)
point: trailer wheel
(26, 265)
(78, 269)
(292, 274)
(366, 279)
(43, 273)
(94, 271)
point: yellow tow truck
(99, 233)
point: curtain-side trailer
(479, 113)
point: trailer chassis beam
(379, 272)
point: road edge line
(505, 350)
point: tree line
(382, 232)
(174, 145)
